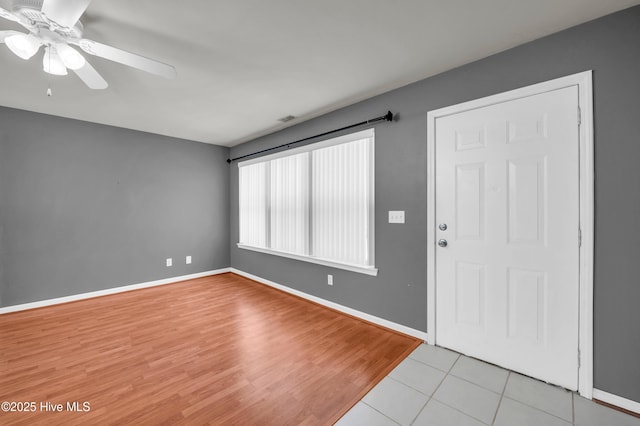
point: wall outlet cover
(169, 261)
(396, 216)
(188, 260)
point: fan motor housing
(27, 7)
(31, 12)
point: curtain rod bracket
(387, 117)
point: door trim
(586, 188)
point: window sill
(353, 268)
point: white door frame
(585, 94)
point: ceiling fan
(55, 25)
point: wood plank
(219, 350)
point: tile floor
(438, 387)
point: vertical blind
(340, 206)
(253, 205)
(314, 202)
(289, 203)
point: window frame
(351, 137)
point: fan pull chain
(49, 92)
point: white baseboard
(616, 400)
(358, 314)
(74, 297)
(344, 309)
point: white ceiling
(243, 64)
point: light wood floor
(217, 350)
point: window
(313, 203)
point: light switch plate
(396, 216)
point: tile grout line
(433, 366)
(459, 411)
(480, 386)
(539, 409)
(378, 411)
(543, 410)
(510, 372)
(449, 374)
(409, 386)
(504, 388)
(437, 387)
(429, 397)
(502, 396)
(475, 384)
(421, 410)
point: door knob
(443, 226)
(442, 243)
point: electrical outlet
(396, 216)
(188, 260)
(330, 279)
(169, 261)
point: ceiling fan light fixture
(23, 45)
(70, 57)
(51, 62)
(55, 25)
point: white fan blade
(126, 58)
(8, 33)
(65, 12)
(90, 76)
(8, 15)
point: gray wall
(611, 47)
(86, 207)
(2, 203)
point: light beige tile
(438, 414)
(512, 413)
(362, 414)
(588, 413)
(437, 357)
(482, 374)
(552, 399)
(471, 399)
(418, 376)
(395, 400)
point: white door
(507, 189)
